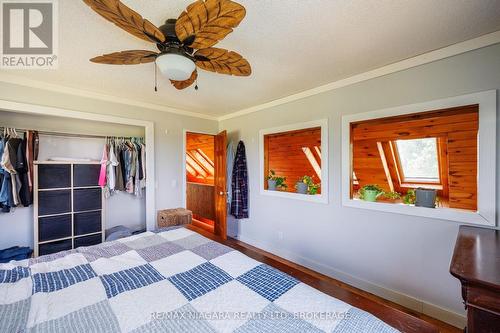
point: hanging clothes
(239, 201)
(22, 173)
(6, 199)
(138, 170)
(125, 166)
(15, 184)
(111, 167)
(143, 158)
(9, 162)
(104, 163)
(129, 160)
(139, 159)
(120, 185)
(31, 155)
(28, 136)
(229, 172)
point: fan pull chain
(156, 78)
(196, 84)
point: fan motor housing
(168, 30)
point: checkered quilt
(169, 281)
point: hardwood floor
(403, 319)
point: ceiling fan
(184, 43)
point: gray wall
(168, 147)
(382, 252)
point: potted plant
(306, 185)
(409, 198)
(391, 196)
(425, 197)
(275, 182)
(370, 192)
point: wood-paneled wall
(200, 199)
(283, 153)
(196, 142)
(457, 130)
(204, 142)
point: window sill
(415, 185)
(443, 213)
(319, 198)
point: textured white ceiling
(292, 45)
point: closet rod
(73, 135)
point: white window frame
(320, 198)
(486, 192)
(416, 180)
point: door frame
(184, 172)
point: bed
(172, 280)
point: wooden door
(220, 184)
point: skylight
(419, 159)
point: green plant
(392, 195)
(280, 181)
(312, 187)
(410, 197)
(370, 187)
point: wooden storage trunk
(173, 217)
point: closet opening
(76, 199)
(205, 182)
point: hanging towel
(229, 172)
(239, 202)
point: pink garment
(104, 163)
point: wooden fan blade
(127, 19)
(209, 21)
(133, 57)
(222, 61)
(184, 84)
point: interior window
(291, 159)
(418, 159)
(426, 159)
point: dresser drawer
(483, 298)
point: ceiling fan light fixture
(175, 66)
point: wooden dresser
(476, 263)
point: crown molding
(22, 81)
(425, 58)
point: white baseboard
(448, 316)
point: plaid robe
(239, 201)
